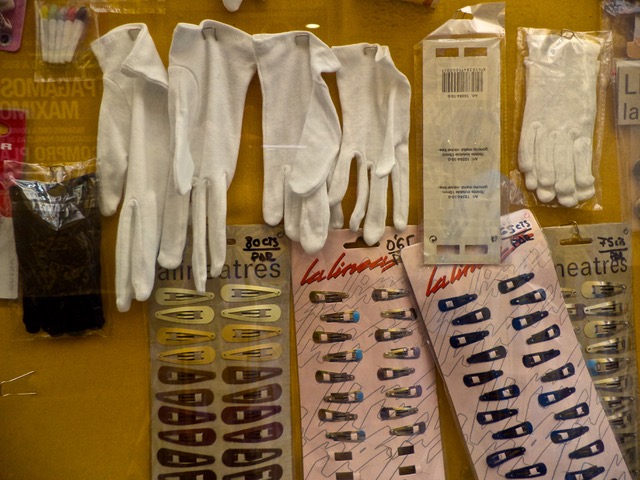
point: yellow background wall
(90, 417)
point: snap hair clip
(611, 346)
(270, 472)
(520, 430)
(528, 320)
(234, 333)
(354, 396)
(531, 471)
(238, 415)
(330, 337)
(4, 382)
(354, 355)
(486, 418)
(408, 430)
(510, 284)
(259, 434)
(620, 420)
(496, 353)
(600, 366)
(193, 437)
(565, 435)
(594, 448)
(559, 373)
(604, 328)
(472, 317)
(480, 378)
(400, 314)
(388, 413)
(536, 296)
(545, 335)
(568, 292)
(452, 303)
(198, 397)
(209, 30)
(263, 352)
(404, 353)
(577, 411)
(504, 393)
(464, 339)
(498, 458)
(245, 293)
(585, 474)
(389, 373)
(183, 376)
(616, 403)
(183, 336)
(189, 475)
(549, 398)
(347, 436)
(181, 416)
(188, 355)
(327, 297)
(190, 315)
(248, 457)
(326, 415)
(244, 375)
(180, 296)
(262, 394)
(579, 311)
(593, 289)
(531, 360)
(349, 316)
(390, 334)
(168, 457)
(386, 294)
(323, 376)
(414, 391)
(611, 384)
(253, 313)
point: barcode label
(462, 81)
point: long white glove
(210, 68)
(375, 98)
(301, 133)
(555, 151)
(133, 153)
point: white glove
(301, 133)
(375, 98)
(210, 68)
(133, 153)
(232, 5)
(555, 151)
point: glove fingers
(377, 210)
(232, 5)
(400, 187)
(362, 196)
(199, 220)
(314, 220)
(174, 230)
(217, 221)
(273, 197)
(292, 209)
(339, 178)
(124, 287)
(583, 157)
(336, 217)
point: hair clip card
(521, 391)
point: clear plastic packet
(11, 24)
(128, 6)
(561, 81)
(57, 231)
(64, 32)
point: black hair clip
(388, 413)
(580, 410)
(561, 436)
(385, 294)
(168, 457)
(464, 339)
(182, 416)
(536, 296)
(262, 394)
(348, 316)
(504, 393)
(406, 450)
(270, 472)
(335, 416)
(470, 318)
(404, 353)
(528, 320)
(559, 373)
(247, 457)
(347, 436)
(549, 398)
(261, 433)
(510, 284)
(354, 396)
(354, 355)
(389, 334)
(390, 373)
(531, 360)
(323, 376)
(480, 378)
(414, 391)
(238, 415)
(327, 297)
(516, 431)
(452, 303)
(330, 337)
(498, 458)
(193, 437)
(415, 429)
(170, 375)
(486, 418)
(490, 355)
(548, 333)
(408, 470)
(199, 397)
(244, 375)
(586, 474)
(189, 475)
(594, 448)
(400, 314)
(531, 471)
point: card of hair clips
(220, 375)
(512, 366)
(367, 379)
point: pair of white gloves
(306, 156)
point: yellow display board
(90, 417)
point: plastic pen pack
(220, 375)
(512, 366)
(593, 263)
(367, 380)
(129, 6)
